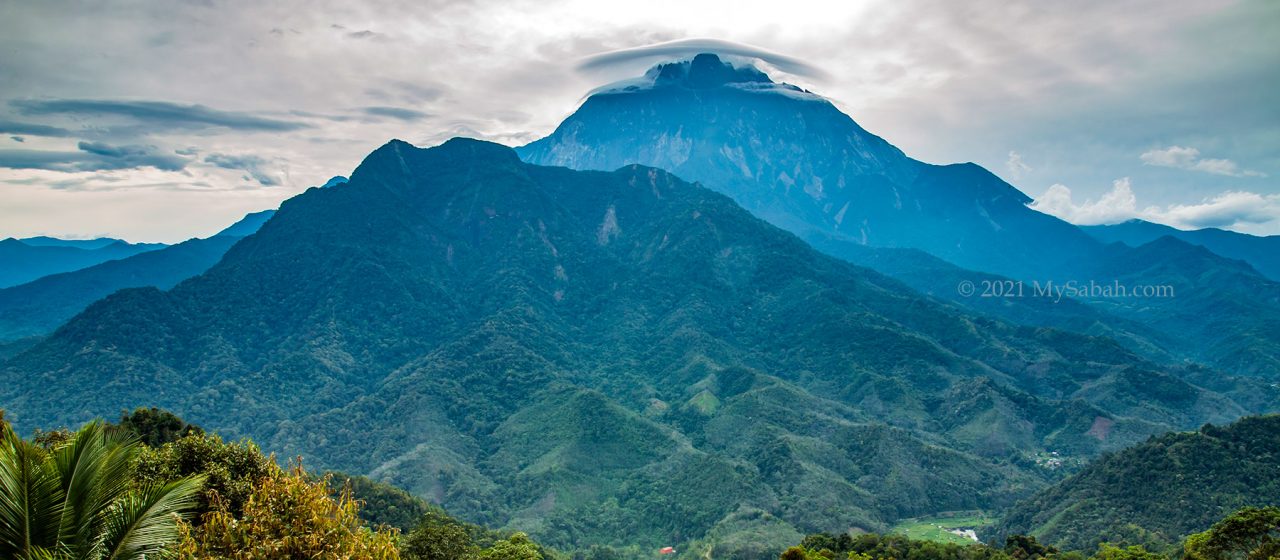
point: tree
(156, 427)
(1108, 551)
(515, 547)
(1024, 547)
(286, 517)
(439, 537)
(231, 470)
(1250, 533)
(382, 503)
(77, 499)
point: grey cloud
(250, 164)
(362, 34)
(418, 92)
(157, 113)
(405, 91)
(311, 115)
(396, 113)
(687, 47)
(31, 129)
(93, 156)
(1189, 158)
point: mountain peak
(705, 71)
(399, 155)
(471, 148)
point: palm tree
(77, 500)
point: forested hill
(1159, 491)
(593, 357)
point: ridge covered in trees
(1158, 492)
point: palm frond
(30, 497)
(146, 521)
(94, 473)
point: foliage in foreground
(103, 492)
(1251, 533)
(77, 498)
(441, 537)
(287, 516)
(232, 470)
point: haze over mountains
(572, 339)
(37, 307)
(24, 260)
(1262, 253)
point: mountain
(943, 280)
(22, 261)
(1158, 492)
(1221, 309)
(1261, 252)
(38, 307)
(592, 355)
(792, 158)
(247, 225)
(87, 244)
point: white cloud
(1238, 210)
(1230, 209)
(1017, 168)
(1117, 205)
(1189, 158)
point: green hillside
(1159, 491)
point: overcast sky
(160, 121)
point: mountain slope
(1159, 491)
(660, 361)
(943, 280)
(21, 262)
(1224, 311)
(1262, 253)
(247, 225)
(38, 307)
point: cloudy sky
(159, 121)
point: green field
(935, 528)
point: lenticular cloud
(688, 47)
